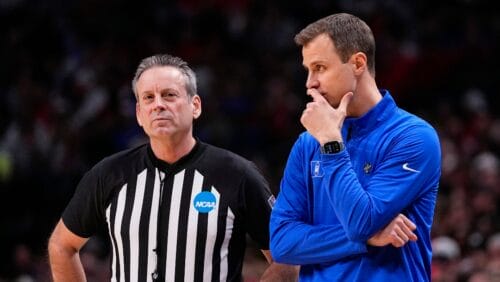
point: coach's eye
(319, 67)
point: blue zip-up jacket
(330, 205)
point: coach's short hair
(349, 34)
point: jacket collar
(367, 122)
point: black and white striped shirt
(187, 221)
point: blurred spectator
(445, 258)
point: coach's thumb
(346, 100)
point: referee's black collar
(164, 166)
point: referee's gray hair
(163, 60)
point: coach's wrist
(330, 138)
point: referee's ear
(196, 103)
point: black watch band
(332, 147)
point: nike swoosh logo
(406, 167)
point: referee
(176, 209)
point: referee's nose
(159, 103)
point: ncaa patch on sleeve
(271, 200)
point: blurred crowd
(66, 102)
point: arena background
(66, 102)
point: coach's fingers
(396, 240)
(409, 233)
(402, 234)
(408, 227)
(408, 222)
(315, 95)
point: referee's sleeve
(258, 201)
(82, 214)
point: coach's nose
(312, 81)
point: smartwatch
(332, 147)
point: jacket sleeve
(294, 239)
(409, 168)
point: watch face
(332, 147)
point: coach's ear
(359, 62)
(137, 114)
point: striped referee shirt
(185, 221)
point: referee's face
(164, 108)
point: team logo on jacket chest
(316, 169)
(205, 202)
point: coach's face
(327, 74)
(164, 108)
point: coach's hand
(397, 233)
(323, 121)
